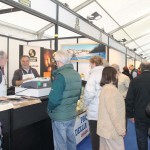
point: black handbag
(148, 109)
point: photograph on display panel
(85, 51)
(47, 65)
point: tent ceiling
(129, 19)
(4, 6)
(24, 20)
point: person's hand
(26, 79)
(123, 135)
(132, 120)
(3, 98)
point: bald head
(145, 66)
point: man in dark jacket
(138, 97)
(65, 92)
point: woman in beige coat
(111, 119)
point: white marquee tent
(126, 19)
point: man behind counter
(25, 72)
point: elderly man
(137, 99)
(123, 81)
(65, 92)
(3, 83)
(3, 80)
(25, 72)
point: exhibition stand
(54, 12)
(28, 126)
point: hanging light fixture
(94, 16)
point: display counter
(5, 119)
(27, 126)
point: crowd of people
(118, 97)
(110, 96)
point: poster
(34, 54)
(85, 51)
(81, 53)
(40, 59)
(47, 65)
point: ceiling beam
(9, 10)
(17, 27)
(145, 53)
(82, 5)
(129, 23)
(144, 45)
(147, 58)
(137, 38)
(42, 30)
(118, 25)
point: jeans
(141, 128)
(95, 139)
(63, 135)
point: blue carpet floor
(85, 144)
(129, 140)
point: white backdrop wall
(45, 44)
(116, 57)
(130, 61)
(14, 57)
(66, 41)
(137, 64)
(84, 40)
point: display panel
(82, 52)
(40, 59)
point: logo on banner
(83, 128)
(32, 54)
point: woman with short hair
(91, 97)
(111, 114)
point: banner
(47, 65)
(33, 53)
(40, 59)
(81, 129)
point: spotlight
(134, 49)
(94, 16)
(65, 4)
(122, 40)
